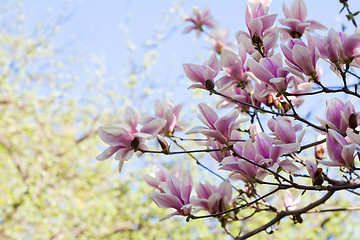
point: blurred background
(68, 67)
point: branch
(283, 214)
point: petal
(108, 153)
(153, 127)
(210, 117)
(131, 119)
(186, 186)
(166, 201)
(194, 72)
(113, 135)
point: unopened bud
(353, 121)
(163, 144)
(270, 100)
(209, 85)
(319, 153)
(318, 177)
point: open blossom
(213, 199)
(160, 174)
(271, 72)
(262, 152)
(202, 74)
(176, 195)
(295, 21)
(338, 115)
(301, 57)
(171, 113)
(233, 65)
(199, 19)
(340, 151)
(217, 128)
(219, 155)
(284, 130)
(217, 39)
(262, 36)
(290, 202)
(126, 139)
(342, 48)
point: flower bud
(318, 179)
(209, 85)
(353, 121)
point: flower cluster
(264, 79)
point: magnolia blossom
(340, 152)
(300, 57)
(290, 202)
(219, 155)
(213, 199)
(171, 113)
(284, 130)
(176, 195)
(233, 64)
(353, 137)
(262, 35)
(217, 128)
(262, 152)
(126, 139)
(237, 93)
(338, 115)
(217, 39)
(270, 72)
(295, 21)
(160, 174)
(199, 19)
(342, 48)
(203, 75)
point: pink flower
(233, 65)
(300, 57)
(126, 139)
(203, 75)
(353, 137)
(340, 152)
(217, 39)
(290, 202)
(241, 169)
(217, 128)
(262, 152)
(271, 72)
(219, 155)
(200, 19)
(213, 199)
(176, 195)
(258, 21)
(338, 115)
(169, 112)
(262, 35)
(295, 21)
(284, 130)
(340, 47)
(160, 174)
